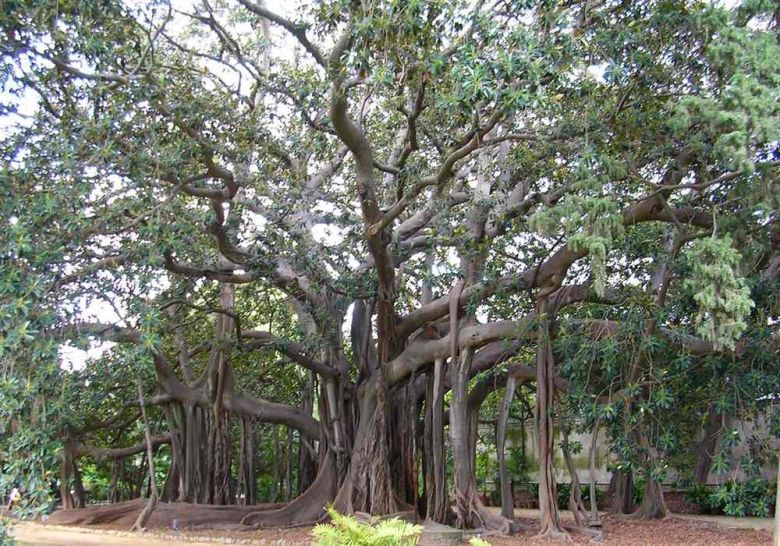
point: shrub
(752, 497)
(347, 531)
(639, 489)
(699, 495)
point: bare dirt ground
(35, 534)
(692, 530)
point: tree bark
(545, 398)
(219, 438)
(71, 486)
(707, 446)
(469, 510)
(277, 475)
(653, 505)
(621, 488)
(288, 466)
(507, 501)
(441, 501)
(246, 464)
(307, 465)
(592, 452)
(776, 537)
(146, 513)
(576, 506)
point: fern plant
(345, 530)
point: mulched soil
(617, 532)
(677, 503)
(295, 535)
(667, 532)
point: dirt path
(35, 534)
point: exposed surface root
(125, 513)
(306, 509)
(596, 535)
(551, 533)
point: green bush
(639, 489)
(347, 531)
(699, 495)
(752, 497)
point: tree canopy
(357, 219)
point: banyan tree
(395, 208)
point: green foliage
(591, 225)
(723, 297)
(478, 541)
(345, 530)
(124, 156)
(754, 496)
(700, 495)
(5, 537)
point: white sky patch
(73, 358)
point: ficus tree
(387, 199)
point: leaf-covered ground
(618, 532)
(671, 531)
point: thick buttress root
(308, 508)
(653, 505)
(126, 513)
(305, 509)
(478, 517)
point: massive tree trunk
(367, 486)
(653, 505)
(220, 445)
(196, 470)
(621, 489)
(403, 449)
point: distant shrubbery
(754, 496)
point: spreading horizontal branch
(104, 453)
